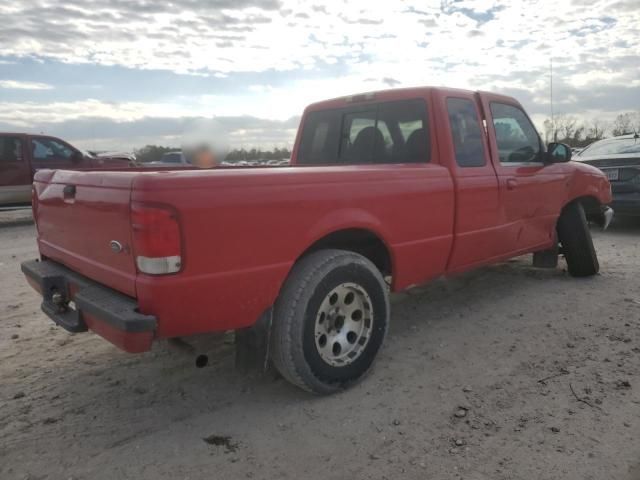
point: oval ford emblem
(116, 246)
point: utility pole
(553, 125)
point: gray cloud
(428, 22)
(622, 6)
(62, 31)
(317, 51)
(568, 99)
(391, 82)
(361, 20)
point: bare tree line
(153, 153)
(570, 130)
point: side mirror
(558, 153)
(77, 157)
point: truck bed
(242, 230)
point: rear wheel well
(361, 241)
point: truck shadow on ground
(137, 395)
(103, 402)
(623, 225)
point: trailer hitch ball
(57, 299)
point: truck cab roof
(393, 94)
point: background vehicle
(619, 159)
(108, 155)
(387, 190)
(21, 154)
(176, 159)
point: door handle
(512, 183)
(69, 191)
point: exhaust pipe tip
(202, 361)
(181, 346)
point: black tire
(577, 245)
(295, 352)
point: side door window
(516, 137)
(48, 149)
(10, 150)
(14, 169)
(466, 132)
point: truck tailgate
(83, 221)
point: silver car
(619, 158)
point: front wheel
(577, 244)
(330, 320)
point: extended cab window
(517, 138)
(407, 140)
(390, 132)
(320, 138)
(49, 149)
(360, 137)
(10, 150)
(466, 132)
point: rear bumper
(93, 306)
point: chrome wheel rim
(343, 325)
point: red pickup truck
(21, 154)
(386, 190)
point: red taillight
(156, 239)
(34, 207)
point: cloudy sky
(120, 74)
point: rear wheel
(577, 245)
(330, 320)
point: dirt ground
(508, 372)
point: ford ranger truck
(386, 190)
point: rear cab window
(386, 132)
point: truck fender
(582, 185)
(342, 220)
